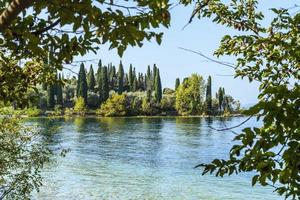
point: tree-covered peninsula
(113, 92)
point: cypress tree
(224, 103)
(130, 77)
(105, 86)
(99, 81)
(141, 82)
(148, 71)
(148, 78)
(134, 85)
(158, 89)
(221, 98)
(91, 79)
(154, 76)
(120, 78)
(208, 96)
(59, 92)
(82, 87)
(134, 73)
(111, 76)
(177, 83)
(50, 93)
(145, 82)
(149, 95)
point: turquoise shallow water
(142, 158)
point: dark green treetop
(158, 88)
(91, 79)
(177, 83)
(120, 78)
(82, 87)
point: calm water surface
(141, 158)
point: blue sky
(202, 35)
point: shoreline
(134, 116)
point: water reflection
(141, 158)
(189, 125)
(111, 125)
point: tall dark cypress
(148, 71)
(99, 81)
(120, 78)
(105, 86)
(158, 89)
(208, 96)
(224, 103)
(148, 79)
(91, 79)
(59, 92)
(135, 84)
(177, 83)
(51, 94)
(154, 76)
(220, 98)
(133, 72)
(110, 72)
(130, 77)
(82, 86)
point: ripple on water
(142, 158)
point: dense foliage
(189, 95)
(21, 159)
(114, 106)
(49, 34)
(80, 107)
(69, 28)
(143, 97)
(267, 52)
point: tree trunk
(12, 11)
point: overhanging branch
(12, 11)
(47, 28)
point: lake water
(142, 158)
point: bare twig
(224, 75)
(125, 7)
(66, 68)
(208, 58)
(233, 127)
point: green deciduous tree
(116, 105)
(80, 106)
(189, 95)
(268, 52)
(82, 87)
(31, 29)
(37, 27)
(21, 159)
